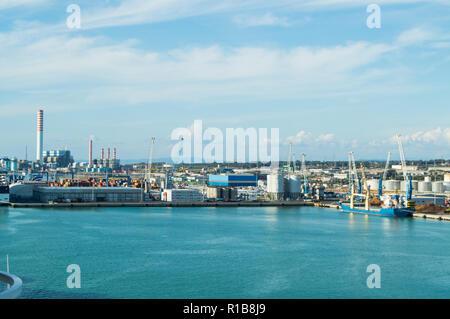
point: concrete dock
(432, 216)
(163, 204)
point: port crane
(307, 189)
(148, 173)
(406, 176)
(386, 168)
(353, 173)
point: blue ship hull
(389, 212)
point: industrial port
(55, 178)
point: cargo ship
(391, 207)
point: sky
(142, 68)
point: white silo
(424, 187)
(373, 184)
(294, 187)
(415, 185)
(393, 186)
(275, 186)
(428, 179)
(437, 187)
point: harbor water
(267, 252)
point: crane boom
(149, 166)
(387, 166)
(402, 157)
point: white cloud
(131, 12)
(99, 70)
(7, 4)
(303, 137)
(415, 36)
(267, 19)
(436, 136)
(325, 138)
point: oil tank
(437, 187)
(294, 187)
(415, 185)
(428, 179)
(392, 186)
(373, 184)
(275, 186)
(424, 187)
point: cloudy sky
(312, 68)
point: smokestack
(114, 154)
(103, 154)
(90, 152)
(40, 134)
(108, 153)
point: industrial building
(232, 180)
(39, 192)
(57, 158)
(222, 193)
(103, 164)
(182, 195)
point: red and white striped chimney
(108, 154)
(103, 154)
(40, 134)
(114, 154)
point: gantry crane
(307, 188)
(148, 173)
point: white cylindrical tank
(373, 184)
(447, 186)
(428, 179)
(415, 185)
(447, 178)
(294, 187)
(392, 185)
(275, 184)
(437, 187)
(424, 187)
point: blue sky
(142, 68)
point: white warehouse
(182, 195)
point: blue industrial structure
(233, 180)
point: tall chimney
(114, 154)
(103, 154)
(90, 152)
(40, 134)
(108, 153)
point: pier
(162, 204)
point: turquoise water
(223, 253)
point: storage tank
(447, 186)
(294, 187)
(392, 186)
(275, 186)
(428, 179)
(424, 187)
(373, 184)
(437, 187)
(415, 185)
